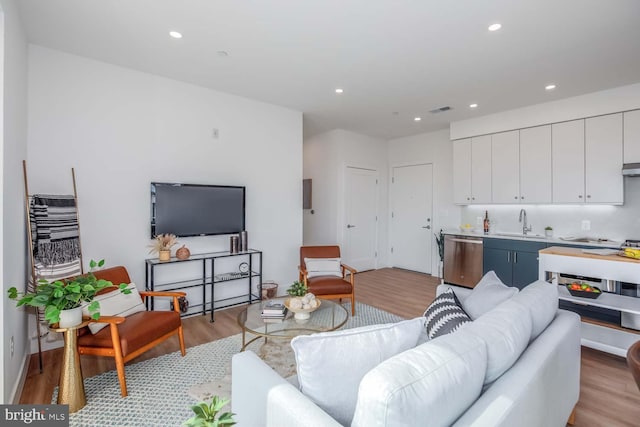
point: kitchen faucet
(523, 220)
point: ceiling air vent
(440, 110)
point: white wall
(121, 129)
(13, 249)
(326, 157)
(622, 98)
(434, 148)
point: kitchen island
(554, 261)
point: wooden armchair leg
(181, 338)
(353, 307)
(572, 418)
(121, 377)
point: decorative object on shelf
(183, 252)
(583, 290)
(303, 306)
(162, 245)
(183, 304)
(59, 296)
(548, 232)
(244, 241)
(485, 222)
(206, 414)
(440, 243)
(233, 244)
(244, 268)
(297, 289)
(268, 289)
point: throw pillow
(432, 384)
(331, 364)
(542, 300)
(444, 315)
(115, 303)
(506, 330)
(488, 294)
(323, 267)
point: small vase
(164, 255)
(70, 318)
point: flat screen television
(196, 210)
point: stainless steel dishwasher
(462, 260)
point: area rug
(159, 388)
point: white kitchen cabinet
(505, 167)
(535, 165)
(472, 170)
(603, 159)
(567, 161)
(462, 171)
(631, 136)
(481, 169)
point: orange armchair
(328, 287)
(128, 337)
(633, 361)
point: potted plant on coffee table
(205, 414)
(63, 300)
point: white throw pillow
(506, 330)
(432, 384)
(489, 293)
(323, 267)
(542, 299)
(115, 303)
(331, 364)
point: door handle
(350, 226)
(515, 257)
(475, 242)
(428, 227)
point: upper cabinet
(567, 156)
(472, 170)
(631, 136)
(578, 161)
(603, 159)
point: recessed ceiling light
(495, 27)
(473, 105)
(417, 119)
(550, 87)
(222, 53)
(175, 34)
(338, 90)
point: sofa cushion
(432, 384)
(542, 300)
(506, 331)
(323, 267)
(330, 365)
(487, 294)
(444, 315)
(115, 303)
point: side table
(71, 384)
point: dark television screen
(196, 210)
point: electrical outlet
(586, 225)
(12, 347)
(479, 220)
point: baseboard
(16, 393)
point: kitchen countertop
(535, 238)
(577, 252)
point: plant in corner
(297, 289)
(205, 414)
(60, 295)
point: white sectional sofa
(450, 380)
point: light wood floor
(608, 394)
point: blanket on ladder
(54, 229)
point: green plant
(440, 243)
(65, 295)
(205, 414)
(297, 289)
(548, 228)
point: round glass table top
(328, 317)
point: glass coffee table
(328, 317)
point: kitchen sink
(525, 236)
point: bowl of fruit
(583, 290)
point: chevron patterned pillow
(444, 315)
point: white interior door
(361, 207)
(411, 220)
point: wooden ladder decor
(34, 274)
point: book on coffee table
(273, 308)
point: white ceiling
(403, 56)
